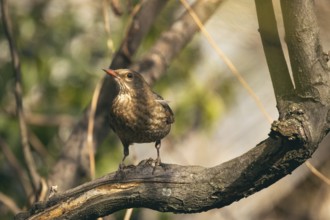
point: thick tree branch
(179, 189)
(277, 66)
(308, 63)
(309, 67)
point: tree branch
(178, 189)
(16, 167)
(9, 203)
(277, 66)
(309, 65)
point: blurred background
(63, 47)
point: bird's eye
(129, 75)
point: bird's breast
(142, 117)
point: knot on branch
(292, 125)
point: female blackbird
(137, 114)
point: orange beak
(111, 72)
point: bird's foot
(157, 163)
(121, 166)
(120, 171)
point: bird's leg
(157, 146)
(126, 153)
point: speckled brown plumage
(137, 114)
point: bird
(137, 113)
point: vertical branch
(277, 65)
(34, 176)
(307, 60)
(90, 128)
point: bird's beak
(111, 72)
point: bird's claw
(157, 163)
(121, 166)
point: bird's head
(128, 81)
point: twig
(317, 173)
(105, 7)
(39, 147)
(226, 60)
(128, 214)
(34, 176)
(17, 168)
(90, 132)
(9, 203)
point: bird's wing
(168, 110)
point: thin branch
(90, 132)
(39, 147)
(227, 61)
(317, 173)
(128, 214)
(34, 176)
(17, 168)
(277, 65)
(308, 62)
(107, 27)
(9, 203)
